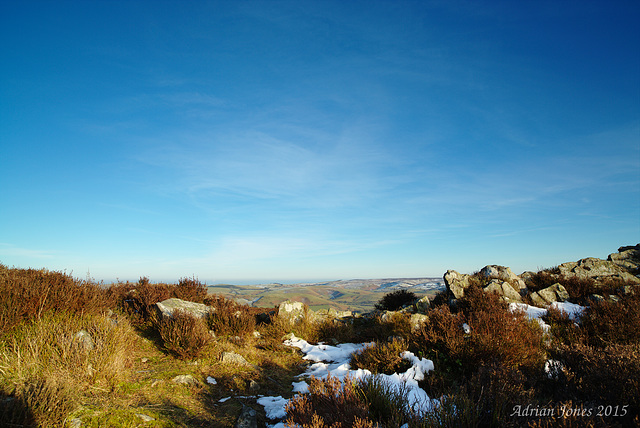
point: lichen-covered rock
(596, 269)
(417, 320)
(627, 258)
(292, 311)
(504, 289)
(546, 296)
(456, 283)
(167, 307)
(187, 380)
(233, 358)
(422, 306)
(504, 273)
(324, 315)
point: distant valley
(354, 294)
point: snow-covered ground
(533, 312)
(334, 361)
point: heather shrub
(477, 300)
(382, 357)
(542, 279)
(496, 389)
(441, 338)
(609, 375)
(579, 288)
(336, 403)
(190, 289)
(387, 403)
(607, 322)
(503, 337)
(337, 331)
(441, 298)
(396, 300)
(28, 293)
(453, 411)
(228, 318)
(137, 300)
(391, 324)
(367, 402)
(183, 335)
(563, 329)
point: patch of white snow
(571, 309)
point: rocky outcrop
(323, 315)
(546, 296)
(627, 258)
(504, 289)
(598, 270)
(456, 283)
(505, 274)
(167, 307)
(498, 279)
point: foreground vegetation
(72, 351)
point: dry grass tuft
(45, 365)
(183, 335)
(382, 357)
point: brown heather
(28, 293)
(183, 335)
(229, 318)
(336, 404)
(382, 357)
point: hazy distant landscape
(354, 295)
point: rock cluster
(623, 266)
(167, 307)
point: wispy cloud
(321, 171)
(10, 250)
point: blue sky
(301, 140)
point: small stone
(233, 358)
(75, 423)
(248, 418)
(144, 360)
(185, 380)
(211, 381)
(466, 328)
(144, 417)
(86, 341)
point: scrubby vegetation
(396, 300)
(102, 354)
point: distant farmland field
(361, 297)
